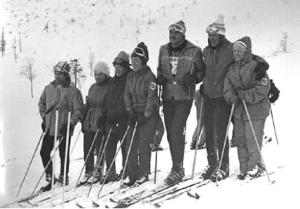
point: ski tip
(95, 204)
(78, 205)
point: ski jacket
(141, 91)
(64, 99)
(93, 108)
(189, 61)
(114, 105)
(217, 61)
(241, 77)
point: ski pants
(88, 137)
(248, 153)
(47, 146)
(140, 153)
(176, 113)
(216, 117)
(117, 134)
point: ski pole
(33, 155)
(75, 142)
(225, 140)
(66, 154)
(114, 159)
(129, 149)
(99, 159)
(273, 121)
(44, 171)
(53, 164)
(85, 160)
(253, 132)
(197, 139)
(156, 151)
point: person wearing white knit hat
(94, 120)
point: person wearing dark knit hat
(180, 67)
(59, 94)
(115, 114)
(141, 103)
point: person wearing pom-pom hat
(141, 103)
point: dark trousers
(140, 153)
(216, 117)
(47, 146)
(176, 114)
(116, 135)
(100, 150)
(88, 137)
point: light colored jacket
(241, 77)
(64, 99)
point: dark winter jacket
(217, 61)
(94, 105)
(114, 105)
(141, 91)
(241, 78)
(62, 98)
(190, 61)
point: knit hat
(217, 27)
(141, 51)
(101, 67)
(62, 66)
(178, 26)
(122, 59)
(240, 45)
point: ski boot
(85, 178)
(174, 177)
(142, 180)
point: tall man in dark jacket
(114, 107)
(217, 58)
(180, 67)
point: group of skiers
(125, 108)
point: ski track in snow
(77, 26)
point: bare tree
(91, 61)
(3, 43)
(76, 73)
(27, 71)
(283, 42)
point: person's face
(214, 39)
(59, 76)
(119, 70)
(175, 37)
(99, 77)
(136, 63)
(238, 54)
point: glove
(273, 93)
(233, 99)
(101, 124)
(260, 71)
(241, 94)
(63, 129)
(43, 125)
(160, 80)
(189, 79)
(132, 117)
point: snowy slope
(106, 27)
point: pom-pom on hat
(217, 27)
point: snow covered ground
(105, 27)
